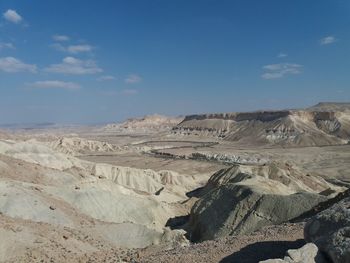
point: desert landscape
(184, 131)
(226, 187)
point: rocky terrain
(318, 125)
(110, 203)
(214, 188)
(146, 124)
(242, 199)
(75, 146)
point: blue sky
(100, 61)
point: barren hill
(243, 198)
(331, 106)
(47, 190)
(317, 125)
(148, 123)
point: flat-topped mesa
(241, 116)
(309, 127)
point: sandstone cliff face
(287, 127)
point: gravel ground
(270, 242)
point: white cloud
(6, 46)
(60, 38)
(104, 78)
(50, 84)
(12, 65)
(12, 16)
(71, 65)
(110, 93)
(328, 40)
(132, 79)
(74, 49)
(275, 71)
(130, 92)
(58, 47)
(282, 55)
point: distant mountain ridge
(42, 125)
(148, 123)
(331, 106)
(322, 124)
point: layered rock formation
(287, 127)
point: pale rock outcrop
(144, 180)
(37, 153)
(306, 254)
(128, 207)
(228, 158)
(77, 146)
(146, 124)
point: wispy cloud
(282, 55)
(55, 84)
(328, 40)
(132, 79)
(71, 65)
(60, 38)
(130, 92)
(275, 71)
(110, 92)
(13, 65)
(12, 16)
(104, 78)
(58, 47)
(72, 49)
(6, 46)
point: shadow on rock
(198, 192)
(262, 251)
(177, 222)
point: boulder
(338, 248)
(306, 254)
(330, 231)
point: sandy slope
(116, 205)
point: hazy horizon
(21, 125)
